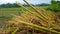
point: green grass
(12, 9)
(6, 12)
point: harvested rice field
(29, 20)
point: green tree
(55, 6)
(8, 5)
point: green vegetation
(8, 5)
(55, 6)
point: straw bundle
(38, 19)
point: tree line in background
(55, 6)
(14, 5)
(8, 5)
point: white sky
(21, 1)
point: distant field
(8, 11)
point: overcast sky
(21, 1)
